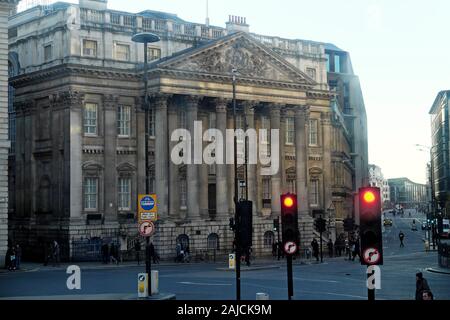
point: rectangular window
(90, 119)
(153, 54)
(124, 120)
(265, 124)
(313, 136)
(48, 54)
(311, 72)
(328, 62)
(183, 194)
(337, 63)
(267, 192)
(151, 123)
(124, 194)
(290, 131)
(122, 52)
(314, 193)
(89, 48)
(90, 193)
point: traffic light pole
(290, 277)
(321, 251)
(370, 292)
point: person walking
(113, 253)
(330, 248)
(356, 250)
(9, 261)
(422, 287)
(18, 256)
(315, 249)
(56, 253)
(137, 248)
(401, 236)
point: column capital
(191, 101)
(275, 109)
(302, 111)
(159, 101)
(325, 118)
(67, 99)
(110, 101)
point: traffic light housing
(289, 219)
(320, 225)
(245, 223)
(276, 225)
(370, 226)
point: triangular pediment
(238, 51)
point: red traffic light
(369, 196)
(288, 202)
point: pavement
(335, 279)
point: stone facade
(81, 129)
(6, 8)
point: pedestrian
(315, 249)
(330, 248)
(401, 236)
(422, 287)
(56, 253)
(113, 253)
(356, 250)
(347, 249)
(274, 249)
(187, 254)
(9, 259)
(137, 248)
(18, 256)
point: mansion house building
(77, 161)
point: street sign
(146, 229)
(147, 207)
(290, 247)
(148, 216)
(142, 285)
(232, 261)
(371, 256)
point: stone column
(251, 168)
(301, 159)
(76, 154)
(222, 204)
(203, 172)
(110, 105)
(275, 123)
(326, 144)
(161, 153)
(174, 182)
(192, 175)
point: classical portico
(196, 85)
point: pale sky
(399, 48)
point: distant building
(408, 194)
(376, 179)
(440, 153)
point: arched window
(213, 241)
(269, 239)
(183, 239)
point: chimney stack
(237, 24)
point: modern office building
(440, 154)
(408, 194)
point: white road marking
(205, 284)
(316, 280)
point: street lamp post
(236, 200)
(146, 38)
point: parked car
(387, 222)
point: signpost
(147, 214)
